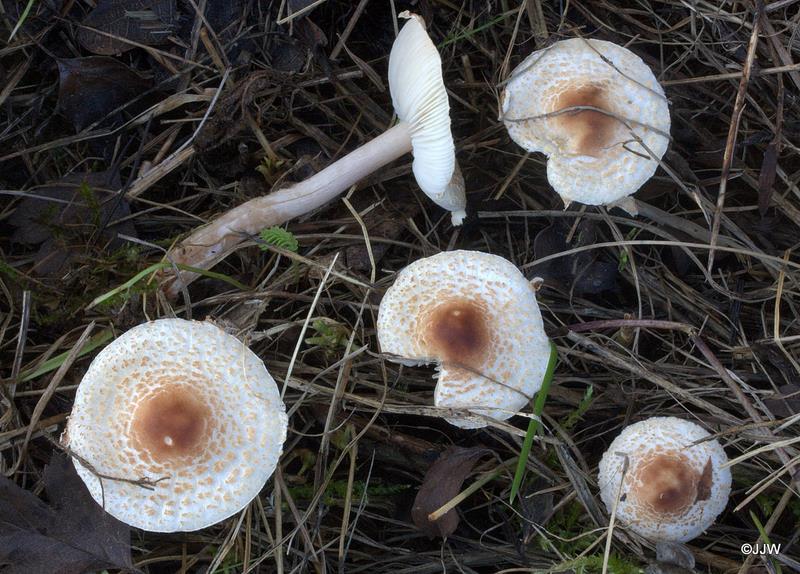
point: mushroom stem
(208, 244)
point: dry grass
(700, 321)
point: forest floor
(126, 125)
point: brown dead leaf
(442, 482)
(706, 482)
(91, 88)
(581, 273)
(71, 535)
(147, 22)
(786, 402)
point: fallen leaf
(443, 482)
(786, 402)
(148, 22)
(91, 88)
(61, 218)
(71, 535)
(579, 272)
(220, 15)
(534, 508)
(705, 483)
(672, 558)
(310, 34)
(286, 55)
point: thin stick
(727, 159)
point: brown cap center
(589, 131)
(458, 331)
(667, 483)
(171, 423)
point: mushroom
(596, 111)
(475, 315)
(176, 426)
(420, 101)
(672, 489)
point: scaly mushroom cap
(183, 400)
(420, 99)
(594, 155)
(476, 315)
(672, 491)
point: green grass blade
(533, 426)
(53, 363)
(164, 265)
(22, 18)
(765, 538)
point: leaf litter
(71, 534)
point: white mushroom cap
(420, 99)
(594, 156)
(672, 490)
(476, 315)
(183, 400)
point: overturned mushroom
(596, 111)
(420, 101)
(183, 409)
(672, 490)
(476, 316)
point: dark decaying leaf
(148, 22)
(310, 34)
(62, 218)
(71, 535)
(705, 483)
(91, 88)
(222, 13)
(786, 402)
(387, 221)
(578, 272)
(286, 54)
(535, 506)
(442, 482)
(672, 558)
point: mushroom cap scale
(476, 315)
(420, 99)
(182, 400)
(585, 103)
(672, 490)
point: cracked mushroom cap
(476, 316)
(595, 153)
(183, 400)
(420, 99)
(672, 490)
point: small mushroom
(672, 490)
(186, 415)
(476, 316)
(420, 101)
(596, 111)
